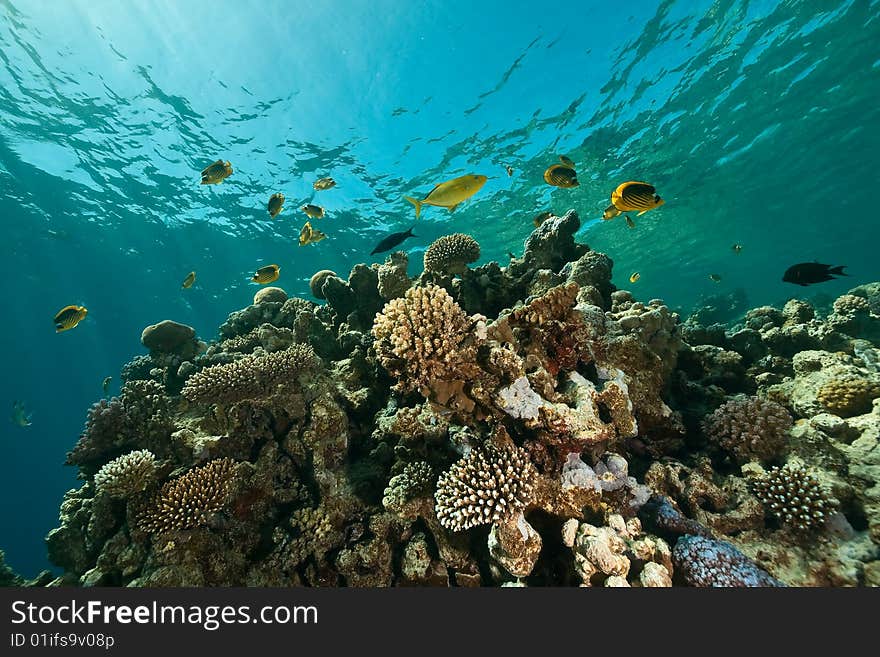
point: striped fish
(68, 317)
(632, 196)
(560, 175)
(189, 280)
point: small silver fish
(20, 417)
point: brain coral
(316, 282)
(190, 500)
(489, 484)
(127, 475)
(795, 496)
(422, 336)
(255, 376)
(848, 397)
(450, 254)
(749, 428)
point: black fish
(807, 273)
(392, 240)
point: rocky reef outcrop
(496, 425)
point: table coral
(252, 377)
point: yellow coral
(848, 397)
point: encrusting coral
(847, 397)
(702, 561)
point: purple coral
(749, 429)
(139, 417)
(707, 562)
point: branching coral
(795, 496)
(416, 480)
(489, 484)
(127, 475)
(749, 429)
(188, 501)
(252, 377)
(424, 337)
(451, 254)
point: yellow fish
(267, 274)
(737, 248)
(216, 173)
(630, 222)
(68, 317)
(634, 277)
(450, 193)
(276, 204)
(189, 280)
(323, 183)
(715, 278)
(313, 211)
(632, 196)
(560, 175)
(309, 235)
(610, 212)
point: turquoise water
(758, 122)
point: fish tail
(410, 231)
(838, 270)
(416, 202)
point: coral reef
(270, 295)
(618, 554)
(525, 424)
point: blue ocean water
(758, 122)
